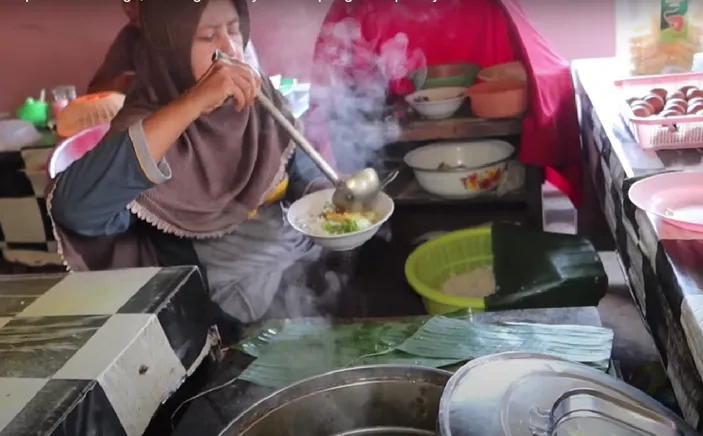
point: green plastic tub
(533, 269)
(434, 262)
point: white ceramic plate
(311, 205)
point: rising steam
(352, 103)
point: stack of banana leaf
(536, 269)
(289, 351)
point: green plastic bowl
(445, 75)
(287, 86)
(434, 262)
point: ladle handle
(299, 139)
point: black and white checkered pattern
(663, 263)
(97, 353)
(24, 223)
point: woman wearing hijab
(187, 176)
(117, 70)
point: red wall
(44, 43)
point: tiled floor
(634, 348)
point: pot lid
(525, 394)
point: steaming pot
(388, 400)
(508, 394)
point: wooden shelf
(462, 126)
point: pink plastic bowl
(73, 148)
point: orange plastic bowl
(499, 99)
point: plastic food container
(512, 70)
(445, 75)
(434, 262)
(74, 148)
(656, 133)
(658, 37)
(499, 99)
(88, 111)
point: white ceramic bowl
(437, 103)
(312, 204)
(472, 168)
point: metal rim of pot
(330, 380)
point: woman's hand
(222, 81)
(237, 80)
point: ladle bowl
(353, 193)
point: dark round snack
(675, 95)
(661, 92)
(677, 103)
(694, 108)
(641, 111)
(655, 101)
(670, 113)
(684, 89)
(694, 93)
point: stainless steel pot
(528, 394)
(388, 400)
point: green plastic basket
(434, 262)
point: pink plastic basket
(655, 133)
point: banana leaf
(535, 269)
(300, 350)
(290, 351)
(447, 338)
(368, 335)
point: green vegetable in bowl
(340, 228)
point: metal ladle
(351, 194)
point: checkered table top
(663, 263)
(25, 229)
(96, 353)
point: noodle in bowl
(305, 215)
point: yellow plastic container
(434, 262)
